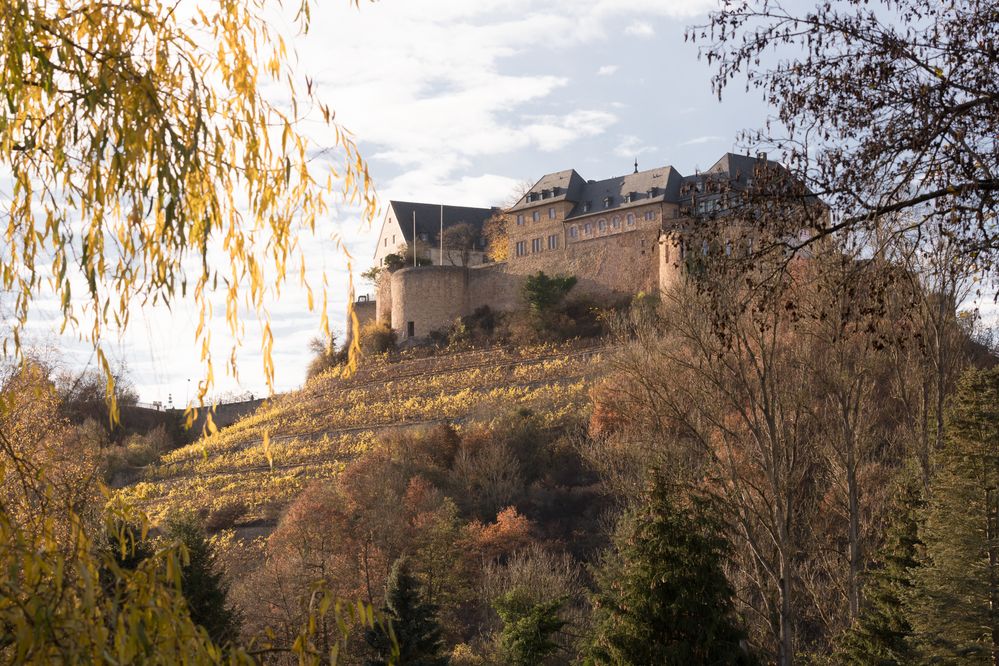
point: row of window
(520, 248)
(536, 215)
(587, 228)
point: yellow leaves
(175, 138)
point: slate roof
(661, 184)
(428, 217)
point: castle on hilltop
(617, 237)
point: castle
(617, 237)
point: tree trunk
(856, 557)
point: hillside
(248, 473)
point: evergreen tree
(204, 589)
(880, 636)
(414, 624)
(663, 597)
(528, 627)
(954, 610)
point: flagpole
(442, 234)
(414, 238)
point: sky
(458, 102)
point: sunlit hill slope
(247, 473)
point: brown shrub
(376, 337)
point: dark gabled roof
(559, 186)
(652, 185)
(428, 217)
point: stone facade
(617, 237)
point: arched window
(587, 229)
(616, 222)
(602, 225)
(537, 215)
(551, 213)
(631, 219)
(573, 231)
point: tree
(881, 634)
(415, 634)
(497, 238)
(663, 597)
(132, 132)
(543, 293)
(459, 242)
(201, 582)
(528, 627)
(955, 610)
(883, 106)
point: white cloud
(640, 29)
(607, 70)
(697, 141)
(633, 146)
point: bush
(225, 516)
(325, 355)
(377, 337)
(487, 475)
(543, 293)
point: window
(653, 191)
(586, 206)
(536, 216)
(535, 245)
(587, 229)
(393, 239)
(650, 215)
(631, 219)
(602, 225)
(704, 248)
(551, 213)
(573, 231)
(553, 242)
(608, 201)
(386, 242)
(410, 329)
(728, 248)
(683, 249)
(521, 248)
(520, 218)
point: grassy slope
(266, 459)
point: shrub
(377, 337)
(225, 516)
(487, 476)
(325, 355)
(543, 293)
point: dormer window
(586, 206)
(608, 201)
(653, 192)
(629, 197)
(555, 191)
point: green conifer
(955, 609)
(528, 627)
(663, 597)
(881, 634)
(202, 584)
(414, 624)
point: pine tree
(202, 584)
(414, 623)
(528, 627)
(954, 610)
(881, 634)
(663, 597)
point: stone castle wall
(609, 266)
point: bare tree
(881, 106)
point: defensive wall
(417, 301)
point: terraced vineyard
(264, 460)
